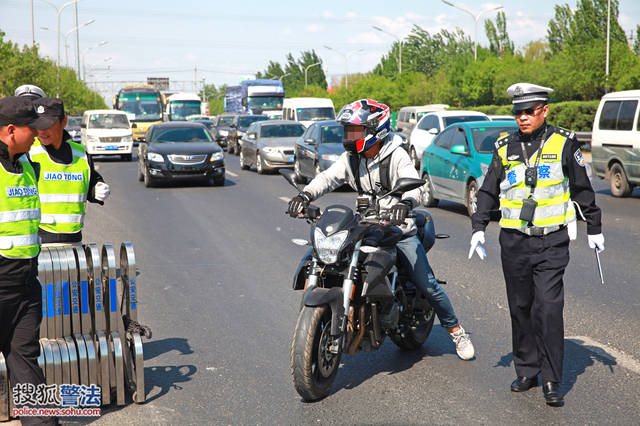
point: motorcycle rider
(367, 143)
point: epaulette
(502, 141)
(564, 132)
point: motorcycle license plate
(291, 158)
(111, 147)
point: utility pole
(195, 79)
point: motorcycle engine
(390, 315)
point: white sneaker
(464, 347)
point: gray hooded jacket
(400, 166)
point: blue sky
(228, 41)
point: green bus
(143, 103)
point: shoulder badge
(502, 140)
(579, 158)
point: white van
(106, 132)
(615, 141)
(409, 116)
(308, 110)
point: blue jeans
(413, 260)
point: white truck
(181, 105)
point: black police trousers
(533, 268)
(20, 316)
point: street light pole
(346, 61)
(84, 70)
(399, 46)
(76, 29)
(476, 19)
(284, 75)
(307, 69)
(59, 11)
(606, 67)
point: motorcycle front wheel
(313, 365)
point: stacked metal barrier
(83, 336)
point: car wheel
(296, 169)
(259, 166)
(428, 200)
(243, 166)
(140, 174)
(414, 158)
(471, 198)
(618, 181)
(148, 180)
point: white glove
(477, 240)
(101, 191)
(596, 241)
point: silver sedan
(269, 145)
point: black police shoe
(522, 384)
(552, 394)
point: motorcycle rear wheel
(313, 366)
(415, 334)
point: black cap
(49, 107)
(20, 111)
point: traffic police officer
(534, 176)
(67, 178)
(20, 292)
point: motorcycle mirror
(403, 185)
(290, 176)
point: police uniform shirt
(15, 271)
(572, 164)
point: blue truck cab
(260, 97)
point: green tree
(499, 41)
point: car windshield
(463, 119)
(265, 102)
(315, 114)
(225, 121)
(244, 122)
(208, 123)
(180, 134)
(108, 121)
(484, 138)
(181, 109)
(282, 131)
(144, 107)
(74, 121)
(332, 134)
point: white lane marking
(605, 351)
(231, 174)
(285, 199)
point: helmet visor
(354, 133)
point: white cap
(30, 91)
(527, 95)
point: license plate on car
(291, 157)
(111, 147)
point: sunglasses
(528, 111)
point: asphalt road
(215, 267)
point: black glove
(299, 203)
(399, 212)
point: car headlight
(126, 139)
(216, 156)
(270, 149)
(328, 248)
(223, 132)
(93, 139)
(484, 168)
(153, 156)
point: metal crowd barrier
(89, 332)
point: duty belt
(539, 231)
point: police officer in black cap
(536, 176)
(20, 292)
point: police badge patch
(579, 158)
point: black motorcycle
(354, 295)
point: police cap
(30, 91)
(527, 95)
(20, 111)
(49, 107)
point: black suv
(238, 128)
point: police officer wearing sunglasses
(536, 177)
(366, 140)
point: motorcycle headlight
(154, 156)
(216, 156)
(223, 132)
(328, 248)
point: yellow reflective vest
(63, 189)
(551, 191)
(19, 213)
